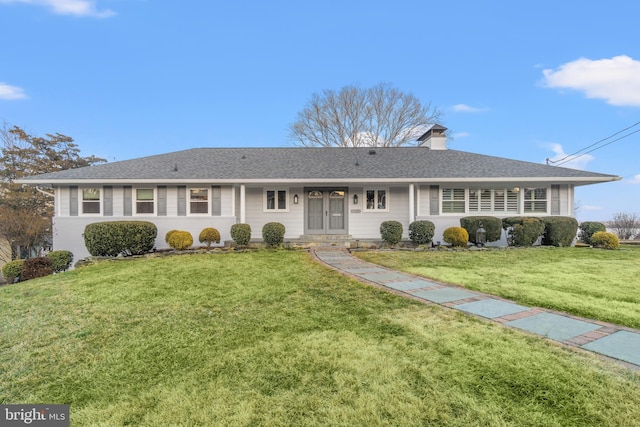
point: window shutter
(182, 200)
(555, 200)
(162, 200)
(126, 200)
(216, 202)
(107, 192)
(73, 201)
(434, 201)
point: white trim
(81, 200)
(243, 204)
(276, 190)
(207, 203)
(134, 196)
(375, 208)
(412, 203)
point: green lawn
(594, 283)
(273, 338)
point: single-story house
(337, 193)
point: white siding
(366, 224)
(256, 217)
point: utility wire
(570, 157)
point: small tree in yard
(625, 225)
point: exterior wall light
(355, 199)
(295, 199)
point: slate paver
(443, 295)
(554, 326)
(622, 345)
(382, 276)
(491, 308)
(409, 285)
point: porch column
(412, 203)
(243, 216)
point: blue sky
(523, 80)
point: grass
(592, 283)
(273, 338)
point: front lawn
(274, 338)
(594, 283)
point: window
(91, 201)
(198, 200)
(376, 200)
(494, 200)
(453, 200)
(535, 200)
(276, 200)
(144, 201)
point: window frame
(82, 201)
(190, 201)
(534, 200)
(453, 201)
(276, 205)
(480, 198)
(136, 201)
(376, 199)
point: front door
(326, 211)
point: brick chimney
(435, 138)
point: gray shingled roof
(308, 164)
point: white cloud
(69, 7)
(591, 208)
(561, 157)
(634, 180)
(464, 108)
(616, 80)
(461, 135)
(11, 92)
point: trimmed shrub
(492, 226)
(391, 232)
(60, 260)
(522, 230)
(456, 236)
(421, 232)
(13, 270)
(273, 234)
(36, 267)
(209, 235)
(587, 229)
(180, 240)
(168, 235)
(559, 230)
(241, 234)
(115, 237)
(603, 239)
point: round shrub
(559, 230)
(522, 230)
(456, 236)
(115, 237)
(60, 260)
(12, 270)
(180, 240)
(421, 232)
(492, 227)
(241, 234)
(168, 235)
(209, 235)
(603, 239)
(587, 229)
(36, 267)
(273, 234)
(391, 232)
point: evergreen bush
(241, 234)
(60, 260)
(492, 227)
(36, 267)
(421, 232)
(603, 239)
(391, 232)
(12, 270)
(559, 230)
(273, 234)
(523, 230)
(112, 238)
(180, 240)
(209, 235)
(588, 229)
(456, 236)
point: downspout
(44, 192)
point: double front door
(326, 211)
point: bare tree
(381, 116)
(625, 225)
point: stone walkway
(613, 341)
